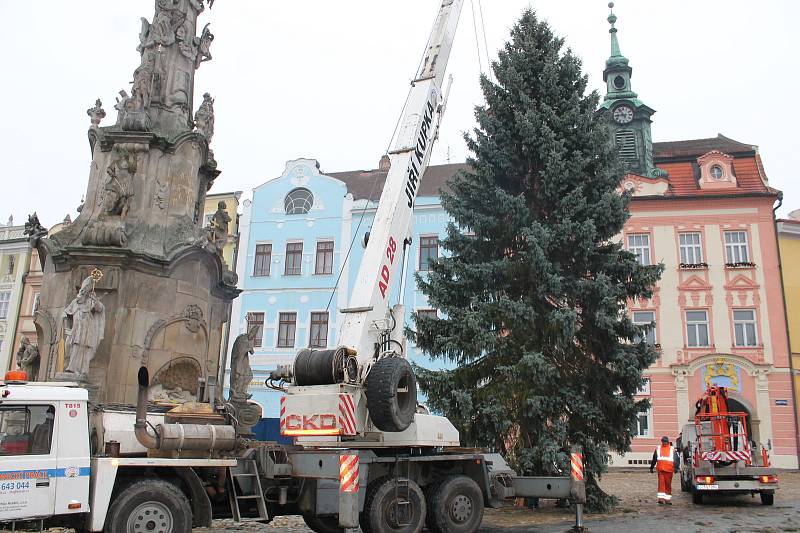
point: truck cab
(44, 450)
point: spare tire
(392, 394)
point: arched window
(298, 201)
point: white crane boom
(377, 274)
(327, 398)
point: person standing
(665, 460)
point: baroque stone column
(164, 287)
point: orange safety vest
(666, 458)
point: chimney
(384, 164)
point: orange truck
(718, 455)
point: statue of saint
(241, 373)
(204, 118)
(220, 223)
(28, 358)
(84, 325)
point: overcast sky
(326, 80)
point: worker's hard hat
(665, 439)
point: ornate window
(744, 327)
(646, 320)
(298, 202)
(697, 329)
(639, 245)
(736, 247)
(716, 170)
(319, 330)
(691, 249)
(287, 327)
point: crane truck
(364, 454)
(718, 456)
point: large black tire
(767, 498)
(456, 506)
(154, 505)
(380, 508)
(392, 394)
(430, 493)
(697, 497)
(685, 486)
(323, 524)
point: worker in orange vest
(666, 460)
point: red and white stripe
(347, 414)
(576, 469)
(348, 473)
(283, 414)
(716, 455)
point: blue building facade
(296, 264)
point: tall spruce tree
(535, 283)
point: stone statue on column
(241, 373)
(28, 358)
(84, 324)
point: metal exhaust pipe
(140, 427)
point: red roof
(679, 159)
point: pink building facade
(718, 309)
(704, 209)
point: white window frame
(5, 303)
(696, 324)
(691, 252)
(648, 415)
(750, 338)
(641, 249)
(738, 250)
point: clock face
(623, 114)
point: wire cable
(477, 42)
(485, 43)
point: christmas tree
(534, 285)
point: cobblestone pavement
(637, 512)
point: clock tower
(629, 117)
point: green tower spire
(629, 117)
(615, 53)
(617, 73)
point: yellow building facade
(231, 251)
(789, 243)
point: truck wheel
(385, 512)
(392, 394)
(697, 497)
(766, 499)
(150, 506)
(430, 492)
(457, 506)
(323, 524)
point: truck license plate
(708, 487)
